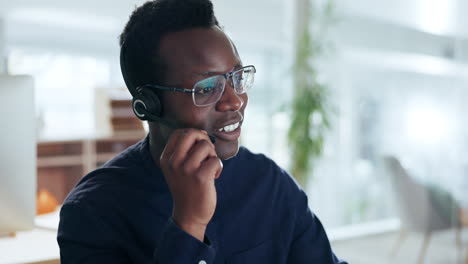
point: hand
(190, 166)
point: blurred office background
(398, 78)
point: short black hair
(145, 28)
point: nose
(229, 101)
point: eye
(206, 86)
(205, 90)
(238, 77)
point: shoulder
(130, 171)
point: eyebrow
(212, 73)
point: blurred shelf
(59, 161)
(104, 157)
(62, 163)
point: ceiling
(436, 16)
(268, 22)
(98, 23)
(111, 15)
(440, 17)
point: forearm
(194, 229)
(178, 246)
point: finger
(200, 151)
(218, 172)
(210, 169)
(171, 144)
(185, 144)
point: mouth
(229, 128)
(229, 132)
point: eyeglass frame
(226, 76)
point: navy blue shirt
(121, 213)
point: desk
(38, 246)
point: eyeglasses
(208, 91)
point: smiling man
(188, 193)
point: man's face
(190, 56)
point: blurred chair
(422, 208)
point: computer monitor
(17, 154)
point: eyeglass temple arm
(164, 88)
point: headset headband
(123, 68)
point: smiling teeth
(229, 128)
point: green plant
(310, 110)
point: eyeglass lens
(210, 90)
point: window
(64, 86)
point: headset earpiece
(146, 104)
(139, 108)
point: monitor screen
(17, 153)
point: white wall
(2, 47)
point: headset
(146, 104)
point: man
(187, 193)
